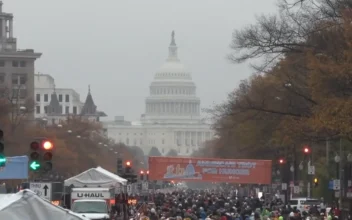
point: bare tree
(272, 37)
(16, 106)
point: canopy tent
(96, 177)
(27, 205)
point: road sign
(349, 194)
(284, 186)
(336, 185)
(41, 189)
(129, 188)
(145, 186)
(296, 189)
(311, 170)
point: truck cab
(95, 209)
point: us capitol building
(172, 118)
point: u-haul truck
(93, 203)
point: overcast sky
(117, 45)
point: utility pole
(340, 174)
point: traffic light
(147, 175)
(316, 182)
(119, 166)
(2, 149)
(34, 163)
(128, 167)
(142, 175)
(306, 150)
(129, 174)
(41, 155)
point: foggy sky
(118, 45)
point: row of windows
(16, 78)
(178, 134)
(162, 91)
(172, 74)
(15, 63)
(66, 110)
(140, 134)
(17, 93)
(135, 141)
(46, 98)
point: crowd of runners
(223, 204)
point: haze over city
(117, 46)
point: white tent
(96, 177)
(27, 205)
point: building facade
(172, 119)
(55, 105)
(69, 99)
(17, 67)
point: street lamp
(78, 136)
(349, 157)
(23, 108)
(59, 125)
(337, 158)
(300, 166)
(69, 131)
(292, 168)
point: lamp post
(349, 176)
(337, 159)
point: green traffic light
(2, 160)
(35, 165)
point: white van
(304, 204)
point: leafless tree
(16, 106)
(274, 36)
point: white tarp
(27, 205)
(96, 177)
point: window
(15, 63)
(38, 97)
(46, 109)
(19, 79)
(75, 110)
(67, 109)
(22, 63)
(60, 98)
(19, 93)
(67, 98)
(2, 63)
(37, 109)
(46, 97)
(2, 78)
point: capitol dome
(172, 69)
(172, 96)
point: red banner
(210, 170)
